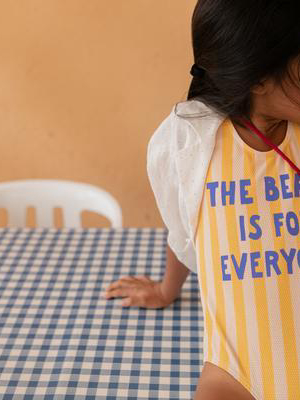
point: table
(60, 338)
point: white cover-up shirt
(178, 157)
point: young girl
(231, 202)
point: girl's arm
(141, 291)
(175, 276)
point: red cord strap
(268, 142)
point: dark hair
(240, 43)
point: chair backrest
(45, 194)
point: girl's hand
(138, 291)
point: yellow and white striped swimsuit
(248, 259)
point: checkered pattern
(60, 338)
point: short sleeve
(163, 177)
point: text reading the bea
(272, 261)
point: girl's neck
(273, 130)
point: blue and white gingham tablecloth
(60, 338)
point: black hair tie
(197, 71)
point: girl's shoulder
(188, 123)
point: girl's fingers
(127, 302)
(118, 283)
(118, 293)
(127, 278)
(133, 300)
(143, 278)
(129, 299)
(128, 287)
(113, 285)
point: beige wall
(84, 84)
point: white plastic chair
(45, 194)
